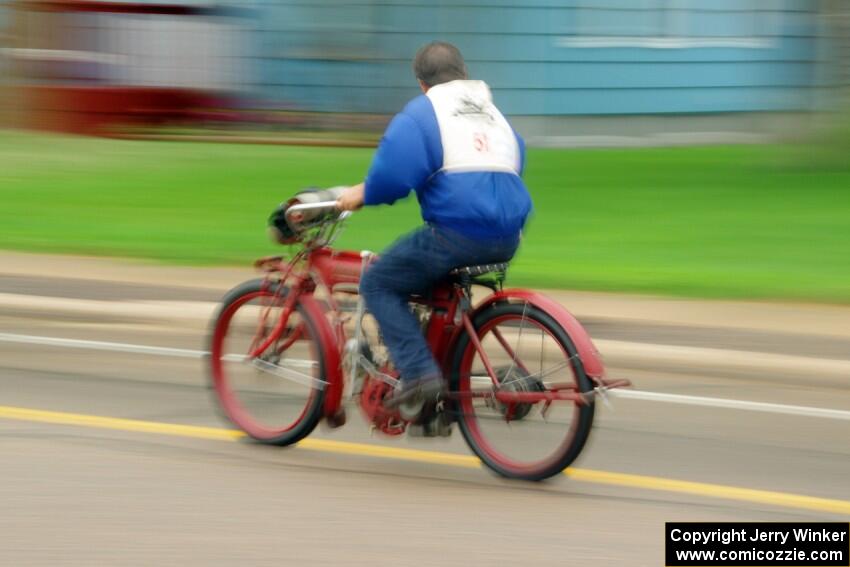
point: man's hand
(352, 198)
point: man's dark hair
(438, 62)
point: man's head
(438, 62)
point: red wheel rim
(229, 399)
(468, 409)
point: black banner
(762, 544)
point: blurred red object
(93, 110)
(86, 66)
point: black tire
(582, 420)
(226, 400)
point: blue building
(558, 68)
(549, 57)
(554, 64)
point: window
(675, 24)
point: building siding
(541, 57)
(570, 57)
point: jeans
(412, 265)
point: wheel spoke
(519, 337)
(289, 373)
(511, 352)
(276, 396)
(525, 427)
(549, 371)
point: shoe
(417, 391)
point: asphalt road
(78, 491)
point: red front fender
(587, 352)
(333, 366)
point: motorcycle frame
(317, 266)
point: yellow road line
(784, 499)
(467, 461)
(62, 418)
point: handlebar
(310, 217)
(321, 206)
(312, 208)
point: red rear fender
(587, 352)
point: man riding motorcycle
(456, 150)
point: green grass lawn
(711, 221)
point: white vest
(474, 134)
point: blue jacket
(478, 204)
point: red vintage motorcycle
(287, 349)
